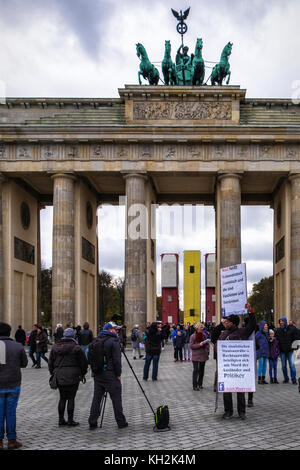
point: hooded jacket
(14, 357)
(68, 359)
(112, 352)
(286, 335)
(262, 338)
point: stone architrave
(295, 246)
(63, 271)
(136, 251)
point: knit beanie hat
(69, 333)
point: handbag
(53, 379)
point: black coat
(31, 341)
(20, 336)
(58, 334)
(85, 337)
(15, 358)
(286, 336)
(68, 359)
(42, 346)
(179, 341)
(153, 341)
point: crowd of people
(76, 348)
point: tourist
(41, 346)
(232, 332)
(108, 379)
(136, 339)
(32, 344)
(20, 335)
(153, 350)
(68, 361)
(178, 345)
(12, 359)
(186, 346)
(85, 337)
(262, 353)
(200, 353)
(174, 334)
(286, 334)
(58, 333)
(123, 337)
(274, 353)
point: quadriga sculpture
(222, 69)
(147, 70)
(168, 66)
(198, 67)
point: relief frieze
(152, 152)
(182, 111)
(24, 152)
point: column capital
(69, 175)
(222, 175)
(135, 174)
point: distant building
(210, 287)
(169, 288)
(192, 286)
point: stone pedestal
(63, 272)
(295, 247)
(136, 251)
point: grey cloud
(85, 18)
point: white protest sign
(233, 290)
(236, 366)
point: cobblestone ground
(273, 423)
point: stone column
(228, 227)
(295, 248)
(230, 219)
(2, 180)
(63, 269)
(39, 262)
(136, 251)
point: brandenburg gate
(154, 144)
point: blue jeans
(262, 366)
(148, 360)
(273, 368)
(86, 350)
(290, 358)
(38, 358)
(9, 398)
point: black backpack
(162, 417)
(134, 336)
(96, 355)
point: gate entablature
(179, 106)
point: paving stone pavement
(273, 422)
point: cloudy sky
(86, 48)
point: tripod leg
(102, 408)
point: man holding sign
(234, 363)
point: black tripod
(104, 398)
(102, 407)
